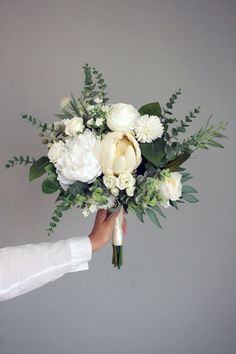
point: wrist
(94, 242)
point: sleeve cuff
(81, 253)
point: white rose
(130, 191)
(115, 191)
(109, 181)
(120, 152)
(73, 126)
(125, 180)
(80, 160)
(171, 187)
(55, 151)
(122, 117)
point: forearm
(27, 267)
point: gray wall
(176, 292)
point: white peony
(171, 187)
(120, 152)
(56, 150)
(73, 126)
(80, 160)
(148, 128)
(121, 117)
(125, 180)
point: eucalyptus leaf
(38, 168)
(188, 189)
(158, 209)
(152, 216)
(189, 198)
(185, 178)
(50, 185)
(139, 213)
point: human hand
(103, 228)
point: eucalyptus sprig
(67, 203)
(36, 122)
(94, 85)
(19, 160)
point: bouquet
(102, 155)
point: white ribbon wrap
(117, 235)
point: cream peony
(55, 151)
(120, 152)
(80, 160)
(121, 117)
(171, 187)
(73, 126)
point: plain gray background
(176, 292)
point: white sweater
(27, 267)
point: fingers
(101, 215)
(124, 226)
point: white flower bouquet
(102, 155)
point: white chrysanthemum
(65, 102)
(80, 160)
(148, 128)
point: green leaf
(156, 207)
(50, 185)
(50, 169)
(189, 198)
(172, 165)
(152, 216)
(185, 178)
(139, 214)
(152, 109)
(154, 151)
(215, 144)
(38, 168)
(188, 189)
(174, 204)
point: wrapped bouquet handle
(117, 240)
